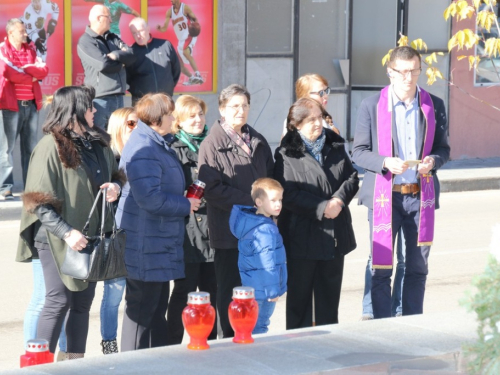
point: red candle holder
(198, 318)
(243, 313)
(37, 353)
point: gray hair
(12, 22)
(230, 91)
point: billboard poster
(44, 21)
(172, 20)
(122, 12)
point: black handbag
(104, 256)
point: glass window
(425, 21)
(269, 27)
(488, 69)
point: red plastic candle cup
(196, 190)
(243, 313)
(198, 318)
(37, 353)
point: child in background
(262, 258)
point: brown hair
(403, 53)
(262, 185)
(300, 111)
(303, 90)
(117, 127)
(152, 107)
(185, 105)
(304, 83)
(230, 91)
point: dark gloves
(40, 45)
(51, 27)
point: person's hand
(195, 204)
(395, 165)
(112, 56)
(39, 44)
(76, 240)
(273, 299)
(333, 208)
(426, 165)
(113, 191)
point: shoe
(61, 356)
(398, 315)
(189, 82)
(7, 195)
(71, 356)
(197, 80)
(109, 346)
(366, 317)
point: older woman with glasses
(232, 157)
(320, 182)
(314, 86)
(152, 210)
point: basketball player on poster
(186, 29)
(34, 18)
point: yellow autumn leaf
(403, 41)
(431, 76)
(491, 47)
(471, 38)
(419, 44)
(465, 12)
(440, 53)
(461, 57)
(447, 11)
(461, 39)
(385, 59)
(431, 58)
(476, 4)
(474, 61)
(485, 19)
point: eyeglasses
(104, 15)
(236, 108)
(131, 124)
(322, 93)
(404, 74)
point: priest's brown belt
(406, 188)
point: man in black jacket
(103, 56)
(156, 68)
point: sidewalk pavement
(419, 344)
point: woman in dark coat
(151, 210)
(232, 157)
(67, 168)
(319, 182)
(190, 130)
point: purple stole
(382, 253)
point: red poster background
(80, 19)
(203, 49)
(55, 44)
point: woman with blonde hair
(315, 86)
(190, 130)
(120, 126)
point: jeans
(36, 305)
(113, 292)
(396, 305)
(266, 309)
(405, 216)
(25, 124)
(105, 106)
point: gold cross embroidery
(382, 200)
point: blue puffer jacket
(152, 207)
(262, 258)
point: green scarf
(192, 141)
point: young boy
(262, 258)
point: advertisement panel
(171, 20)
(44, 21)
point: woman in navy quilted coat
(151, 210)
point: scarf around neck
(314, 148)
(191, 140)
